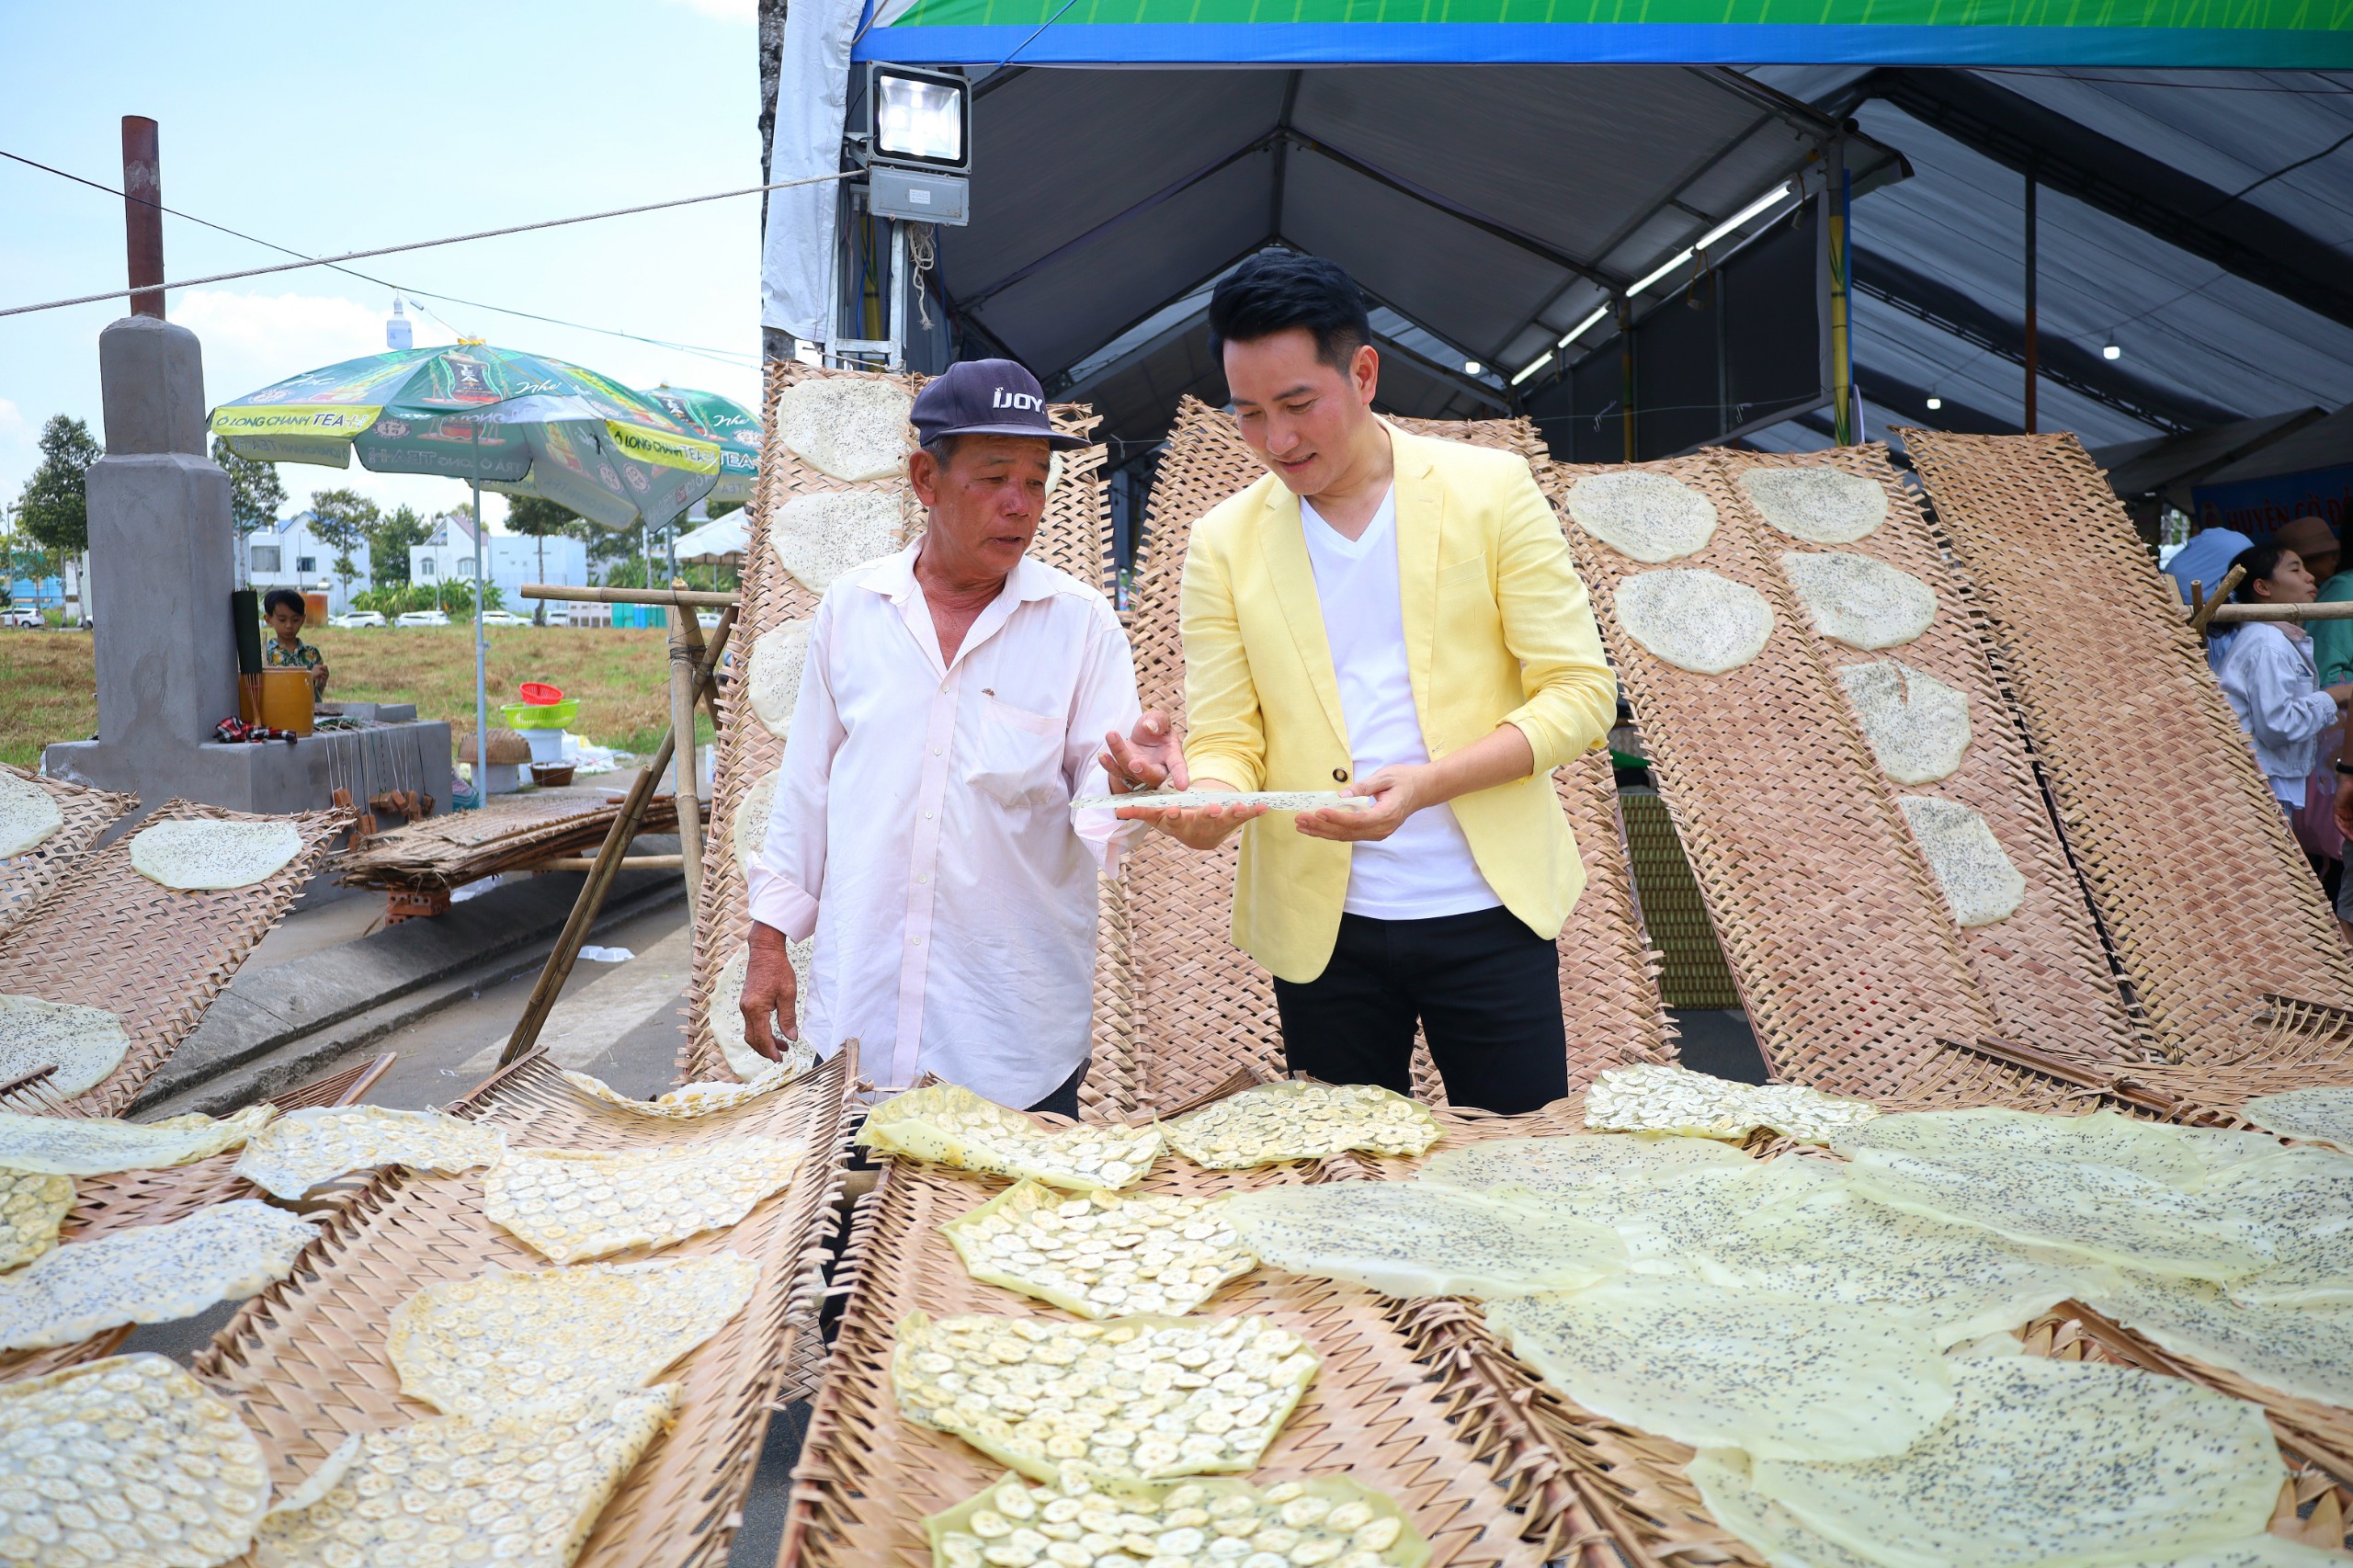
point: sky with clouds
(328, 129)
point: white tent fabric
(721, 540)
(812, 96)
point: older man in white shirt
(955, 699)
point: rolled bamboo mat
(1203, 1006)
(308, 1363)
(125, 1200)
(508, 831)
(103, 936)
(2201, 887)
(866, 1477)
(88, 812)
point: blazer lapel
(1421, 508)
(1293, 576)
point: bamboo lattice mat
(1206, 1008)
(1074, 536)
(450, 850)
(2205, 893)
(307, 1362)
(103, 936)
(88, 812)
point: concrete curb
(282, 1025)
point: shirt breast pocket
(1018, 757)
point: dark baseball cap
(987, 397)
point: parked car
(421, 618)
(21, 615)
(358, 617)
(503, 618)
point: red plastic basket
(538, 694)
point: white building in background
(509, 560)
(287, 555)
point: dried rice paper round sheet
(949, 1125)
(203, 855)
(128, 1461)
(570, 1205)
(1858, 601)
(850, 428)
(1694, 620)
(819, 536)
(29, 815)
(727, 1018)
(1324, 1519)
(306, 1149)
(1954, 1282)
(1647, 516)
(1538, 1165)
(2320, 1115)
(1657, 1096)
(561, 1336)
(521, 1486)
(1405, 1239)
(1778, 1376)
(83, 1044)
(33, 1207)
(1971, 870)
(2304, 1352)
(749, 831)
(1102, 1254)
(1667, 1222)
(1917, 725)
(1820, 505)
(2096, 1212)
(80, 1146)
(1270, 1123)
(151, 1274)
(2050, 1463)
(689, 1101)
(2181, 1156)
(773, 681)
(1208, 1395)
(2300, 1203)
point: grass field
(621, 676)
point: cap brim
(1054, 438)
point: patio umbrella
(520, 423)
(725, 421)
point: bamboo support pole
(686, 684)
(589, 863)
(2203, 609)
(2242, 615)
(601, 872)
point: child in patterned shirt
(286, 612)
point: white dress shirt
(2270, 678)
(1425, 868)
(923, 830)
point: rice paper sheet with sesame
(1411, 1240)
(2323, 1114)
(1647, 516)
(150, 1272)
(29, 815)
(849, 428)
(1667, 1222)
(1971, 868)
(80, 1045)
(200, 855)
(1693, 619)
(2300, 1203)
(1539, 1165)
(82, 1146)
(2180, 1156)
(1917, 725)
(1779, 1376)
(2305, 1352)
(2098, 1212)
(1821, 505)
(1656, 1096)
(819, 536)
(774, 684)
(2057, 1464)
(1861, 602)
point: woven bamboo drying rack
(1075, 535)
(123, 1201)
(2199, 883)
(511, 831)
(103, 936)
(1211, 1008)
(88, 813)
(308, 1363)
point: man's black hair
(1278, 290)
(287, 597)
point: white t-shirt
(1424, 869)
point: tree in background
(55, 509)
(388, 545)
(342, 519)
(255, 496)
(535, 518)
(608, 548)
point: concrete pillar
(162, 545)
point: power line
(331, 261)
(722, 355)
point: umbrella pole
(481, 683)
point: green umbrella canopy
(520, 423)
(734, 426)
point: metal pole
(143, 213)
(898, 355)
(481, 670)
(2032, 331)
(1626, 372)
(686, 678)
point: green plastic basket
(541, 716)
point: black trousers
(1065, 1100)
(1484, 988)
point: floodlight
(2111, 352)
(919, 117)
(1470, 366)
(1935, 404)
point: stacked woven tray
(458, 847)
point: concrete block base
(274, 778)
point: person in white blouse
(955, 700)
(2269, 676)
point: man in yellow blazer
(1396, 618)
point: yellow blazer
(1497, 631)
